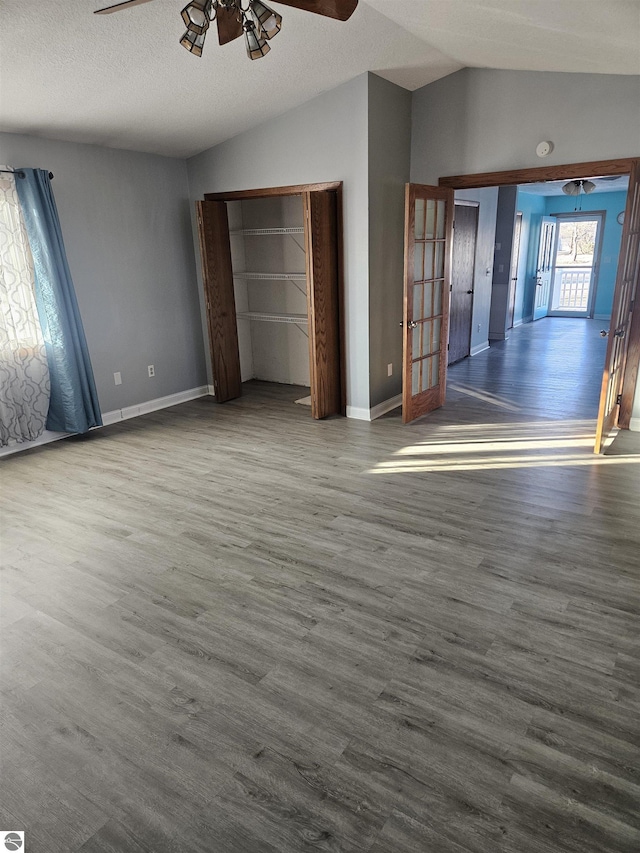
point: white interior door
(544, 267)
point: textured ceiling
(590, 36)
(123, 80)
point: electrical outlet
(479, 326)
(117, 378)
(390, 370)
(152, 370)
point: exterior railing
(571, 288)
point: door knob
(411, 324)
(619, 333)
(469, 291)
(604, 333)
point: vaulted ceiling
(123, 80)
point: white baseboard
(517, 323)
(602, 316)
(361, 414)
(155, 405)
(478, 348)
(634, 424)
(46, 438)
(358, 414)
(384, 407)
(115, 416)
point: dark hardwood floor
(233, 629)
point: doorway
(513, 273)
(235, 315)
(574, 276)
(463, 264)
(622, 359)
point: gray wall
(389, 152)
(487, 198)
(322, 140)
(505, 223)
(482, 120)
(126, 227)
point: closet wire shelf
(298, 319)
(271, 276)
(258, 232)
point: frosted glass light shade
(576, 187)
(256, 45)
(195, 16)
(193, 42)
(267, 21)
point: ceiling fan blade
(118, 6)
(342, 10)
(229, 27)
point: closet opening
(272, 272)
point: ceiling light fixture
(258, 22)
(577, 187)
(251, 18)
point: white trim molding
(117, 415)
(478, 348)
(634, 424)
(155, 405)
(358, 414)
(384, 407)
(362, 414)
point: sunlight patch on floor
(485, 396)
(477, 447)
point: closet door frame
(303, 190)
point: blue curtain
(74, 403)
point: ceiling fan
(253, 18)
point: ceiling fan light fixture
(196, 16)
(571, 188)
(193, 42)
(257, 45)
(268, 22)
(576, 187)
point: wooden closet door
(321, 242)
(217, 275)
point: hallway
(549, 369)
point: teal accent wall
(532, 208)
(612, 204)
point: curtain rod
(20, 173)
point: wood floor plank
(235, 628)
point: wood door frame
(569, 171)
(299, 190)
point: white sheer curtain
(24, 375)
